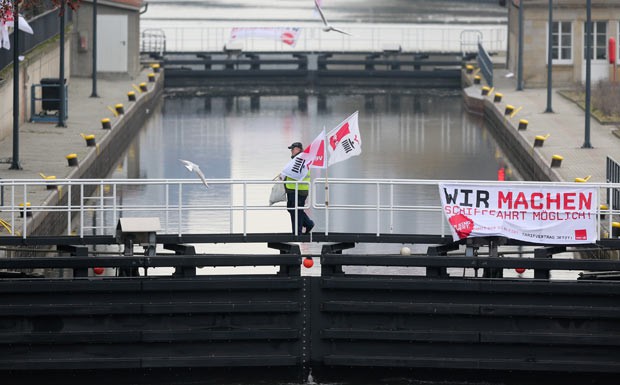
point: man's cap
(296, 144)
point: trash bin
(50, 94)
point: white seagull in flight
(327, 27)
(194, 168)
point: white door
(599, 65)
(111, 43)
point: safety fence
(405, 38)
(186, 206)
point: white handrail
(184, 206)
(409, 37)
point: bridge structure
(161, 303)
(396, 56)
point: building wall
(535, 27)
(42, 62)
(83, 27)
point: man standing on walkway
(296, 194)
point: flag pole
(326, 189)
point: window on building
(598, 41)
(562, 42)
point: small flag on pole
(312, 157)
(344, 141)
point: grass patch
(604, 101)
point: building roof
(134, 3)
(130, 4)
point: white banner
(553, 215)
(287, 35)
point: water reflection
(420, 134)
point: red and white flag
(312, 157)
(344, 141)
(9, 22)
(5, 42)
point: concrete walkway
(43, 147)
(565, 127)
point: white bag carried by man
(277, 193)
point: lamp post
(520, 53)
(94, 44)
(15, 160)
(550, 58)
(586, 143)
(61, 75)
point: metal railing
(485, 64)
(183, 206)
(612, 175)
(45, 27)
(408, 38)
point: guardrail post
(439, 272)
(546, 252)
(287, 248)
(76, 251)
(489, 272)
(334, 249)
(182, 271)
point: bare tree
(7, 5)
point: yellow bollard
(120, 109)
(603, 207)
(523, 124)
(151, 77)
(509, 109)
(477, 79)
(583, 180)
(72, 160)
(143, 87)
(485, 90)
(615, 229)
(469, 68)
(556, 160)
(131, 96)
(155, 67)
(539, 140)
(90, 140)
(49, 186)
(24, 208)
(105, 123)
(498, 97)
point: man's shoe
(309, 229)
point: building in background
(569, 31)
(118, 38)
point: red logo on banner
(288, 38)
(581, 235)
(462, 225)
